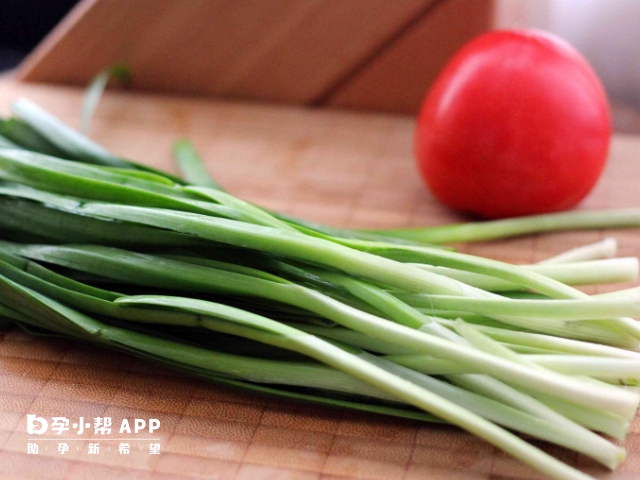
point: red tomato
(516, 124)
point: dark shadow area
(24, 23)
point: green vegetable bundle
(104, 250)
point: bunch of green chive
(105, 250)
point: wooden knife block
(376, 55)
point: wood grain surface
(398, 77)
(366, 54)
(345, 169)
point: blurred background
(356, 54)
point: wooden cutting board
(344, 169)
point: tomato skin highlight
(516, 124)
